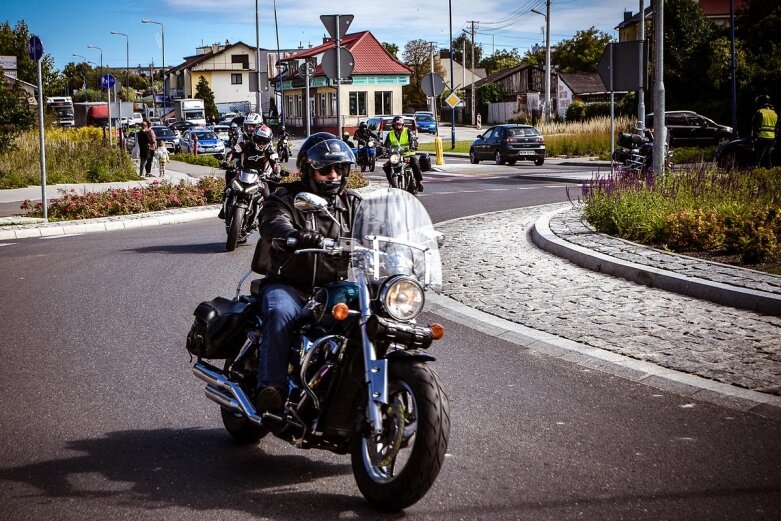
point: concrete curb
(179, 215)
(743, 298)
(689, 386)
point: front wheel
(372, 163)
(234, 231)
(473, 156)
(395, 468)
(539, 161)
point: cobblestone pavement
(490, 263)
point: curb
(683, 384)
(723, 294)
(109, 223)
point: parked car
(208, 143)
(181, 126)
(163, 133)
(223, 132)
(426, 123)
(508, 144)
(689, 129)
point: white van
(136, 119)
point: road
(101, 418)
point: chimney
(627, 16)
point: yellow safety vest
(402, 141)
(767, 125)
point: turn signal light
(340, 311)
(437, 331)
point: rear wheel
(242, 430)
(511, 162)
(473, 156)
(498, 158)
(396, 468)
(234, 231)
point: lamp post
(162, 41)
(101, 61)
(127, 71)
(84, 84)
(108, 94)
(547, 56)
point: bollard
(438, 150)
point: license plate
(526, 152)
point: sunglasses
(340, 168)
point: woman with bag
(147, 143)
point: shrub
(576, 111)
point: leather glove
(308, 239)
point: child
(162, 156)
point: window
(289, 105)
(382, 102)
(323, 105)
(299, 105)
(357, 103)
(236, 79)
(241, 59)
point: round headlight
(394, 158)
(403, 298)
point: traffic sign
(432, 84)
(35, 48)
(452, 100)
(308, 68)
(627, 72)
(107, 81)
(346, 63)
(329, 21)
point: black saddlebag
(219, 330)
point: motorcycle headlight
(236, 185)
(402, 297)
(395, 158)
(371, 144)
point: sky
(68, 27)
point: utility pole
(472, 108)
(732, 67)
(433, 98)
(258, 105)
(660, 128)
(452, 81)
(643, 72)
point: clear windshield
(394, 236)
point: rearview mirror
(308, 202)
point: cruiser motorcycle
(360, 379)
(401, 171)
(634, 157)
(244, 200)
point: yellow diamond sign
(452, 100)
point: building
(586, 87)
(373, 90)
(524, 93)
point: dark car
(508, 144)
(181, 126)
(689, 129)
(163, 133)
(739, 153)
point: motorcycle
(634, 157)
(401, 171)
(245, 199)
(359, 378)
(283, 149)
(366, 156)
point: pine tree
(204, 92)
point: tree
(417, 56)
(392, 48)
(582, 52)
(15, 112)
(204, 92)
(13, 42)
(758, 26)
(459, 43)
(501, 60)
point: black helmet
(762, 100)
(362, 125)
(397, 119)
(325, 151)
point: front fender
(413, 355)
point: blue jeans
(279, 307)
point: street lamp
(547, 57)
(84, 58)
(101, 61)
(127, 73)
(162, 41)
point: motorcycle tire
(242, 430)
(363, 167)
(395, 182)
(423, 427)
(234, 232)
(372, 164)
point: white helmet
(262, 136)
(254, 119)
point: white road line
(7, 243)
(61, 236)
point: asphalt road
(101, 418)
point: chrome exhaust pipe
(222, 399)
(225, 392)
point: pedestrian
(147, 143)
(162, 156)
(763, 131)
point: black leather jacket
(280, 218)
(366, 135)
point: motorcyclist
(254, 154)
(399, 136)
(363, 135)
(346, 139)
(283, 134)
(324, 162)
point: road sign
(346, 63)
(107, 81)
(434, 88)
(452, 100)
(627, 72)
(308, 68)
(35, 48)
(329, 21)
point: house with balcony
(374, 89)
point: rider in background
(253, 154)
(400, 136)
